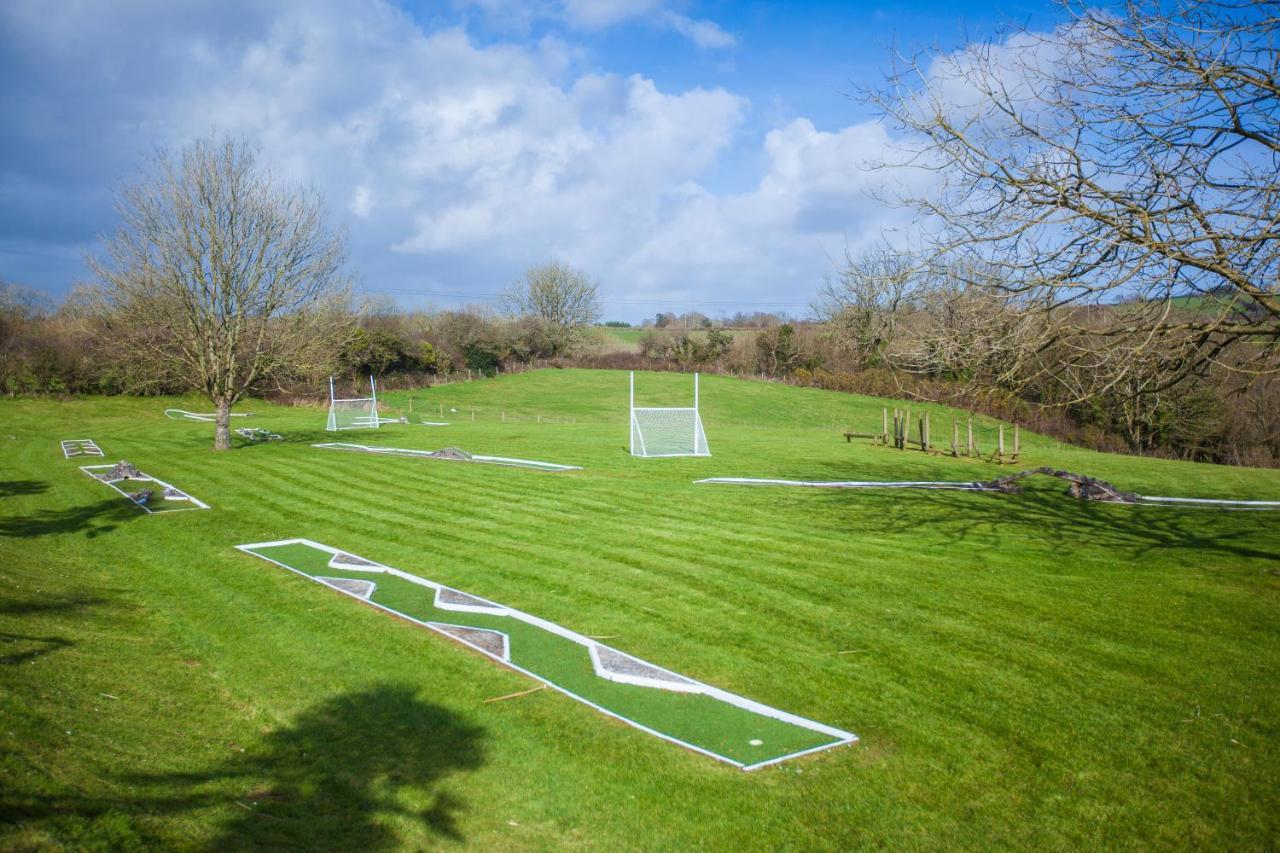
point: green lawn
(1022, 670)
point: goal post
(353, 412)
(671, 431)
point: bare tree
(564, 298)
(220, 278)
(863, 304)
(1119, 176)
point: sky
(708, 156)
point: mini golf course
(698, 716)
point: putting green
(704, 718)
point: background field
(1022, 670)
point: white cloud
(705, 34)
(454, 165)
(598, 14)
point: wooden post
(1000, 452)
(924, 433)
(970, 450)
(504, 416)
(955, 437)
(884, 425)
(1016, 442)
(442, 411)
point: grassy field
(1022, 670)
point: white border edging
(849, 484)
(427, 454)
(75, 447)
(843, 737)
(183, 414)
(147, 478)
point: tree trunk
(222, 428)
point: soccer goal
(667, 432)
(354, 412)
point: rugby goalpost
(355, 412)
(667, 431)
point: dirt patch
(452, 453)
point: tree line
(1098, 255)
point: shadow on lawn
(91, 519)
(1043, 513)
(13, 488)
(24, 648)
(339, 777)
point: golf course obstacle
(676, 708)
(141, 489)
(74, 447)
(1081, 487)
(667, 431)
(203, 417)
(448, 453)
(257, 434)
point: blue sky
(688, 155)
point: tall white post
(631, 413)
(695, 412)
(331, 423)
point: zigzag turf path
(1022, 670)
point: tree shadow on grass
(339, 777)
(13, 488)
(23, 648)
(1044, 514)
(17, 648)
(90, 519)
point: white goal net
(353, 412)
(668, 431)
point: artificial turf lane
(737, 734)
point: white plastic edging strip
(430, 454)
(849, 484)
(1214, 502)
(843, 738)
(183, 414)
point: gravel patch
(363, 589)
(351, 560)
(447, 596)
(616, 662)
(493, 642)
